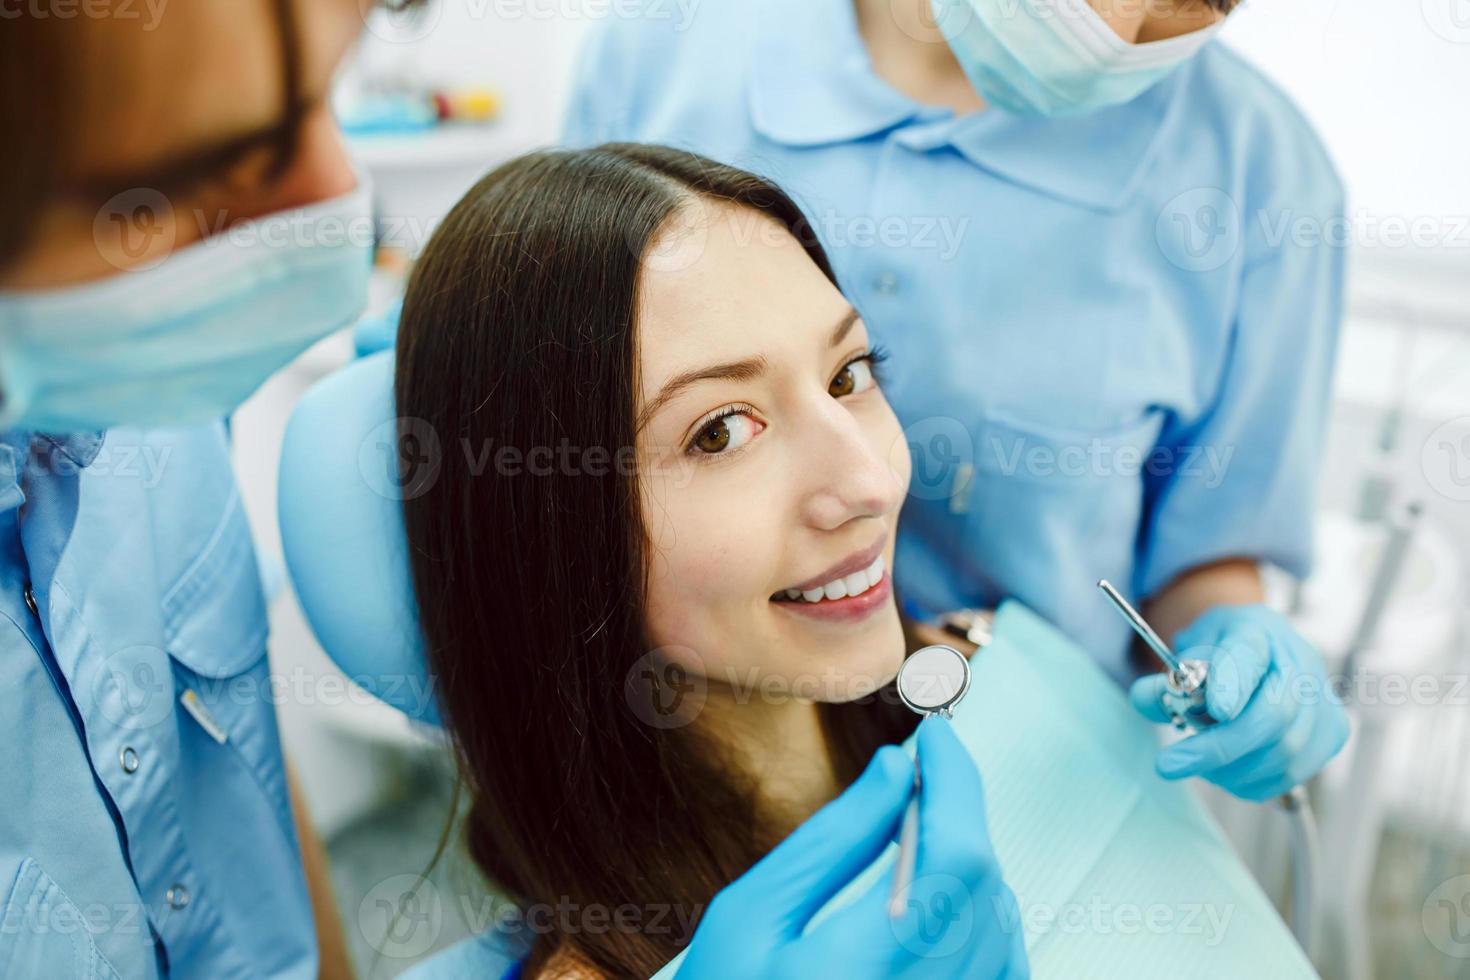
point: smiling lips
(849, 608)
(841, 587)
(847, 592)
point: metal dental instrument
(1184, 700)
(931, 682)
(1185, 679)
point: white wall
(1385, 81)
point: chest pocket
(42, 931)
(214, 616)
(215, 631)
(1040, 500)
(212, 611)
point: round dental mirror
(933, 680)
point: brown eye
(713, 438)
(853, 379)
(843, 384)
(725, 434)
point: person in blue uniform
(1065, 221)
(149, 827)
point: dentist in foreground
(182, 221)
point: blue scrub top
(1112, 335)
(138, 839)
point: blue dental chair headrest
(342, 531)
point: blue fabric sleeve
(1241, 479)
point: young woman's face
(778, 467)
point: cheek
(712, 555)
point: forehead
(722, 283)
(182, 74)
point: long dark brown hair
(519, 331)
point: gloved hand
(961, 919)
(1279, 720)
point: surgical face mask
(1055, 57)
(188, 339)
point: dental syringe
(1184, 700)
(1185, 680)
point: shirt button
(887, 284)
(31, 601)
(177, 897)
(128, 759)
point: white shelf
(447, 147)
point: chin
(868, 664)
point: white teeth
(855, 584)
(875, 572)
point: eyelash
(874, 356)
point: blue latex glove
(961, 920)
(1279, 720)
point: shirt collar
(15, 448)
(11, 456)
(79, 447)
(1097, 159)
(812, 83)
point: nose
(844, 458)
(320, 168)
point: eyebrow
(747, 369)
(844, 327)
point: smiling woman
(693, 646)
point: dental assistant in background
(150, 827)
(1071, 223)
